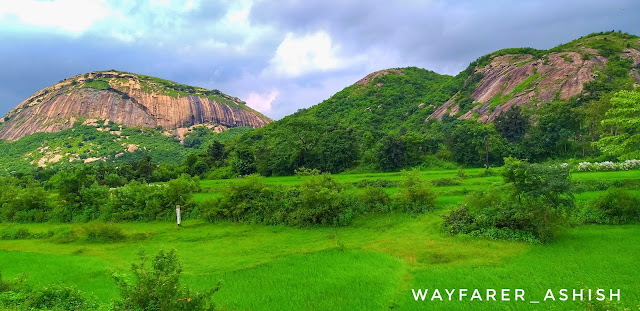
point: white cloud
(298, 55)
(73, 16)
(262, 101)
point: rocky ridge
(522, 79)
(127, 99)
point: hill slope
(127, 99)
(525, 76)
(390, 119)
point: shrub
(30, 204)
(245, 201)
(58, 297)
(66, 235)
(415, 195)
(375, 198)
(319, 200)
(382, 183)
(303, 171)
(103, 233)
(12, 233)
(322, 201)
(459, 221)
(441, 182)
(616, 206)
(157, 287)
(17, 295)
(496, 214)
(608, 166)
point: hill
(521, 102)
(526, 76)
(127, 99)
(404, 117)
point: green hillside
(382, 122)
(110, 144)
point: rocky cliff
(128, 99)
(519, 79)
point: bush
(12, 233)
(157, 287)
(322, 201)
(303, 171)
(103, 233)
(17, 295)
(375, 198)
(381, 183)
(30, 204)
(441, 182)
(415, 195)
(319, 200)
(616, 206)
(66, 235)
(496, 214)
(58, 297)
(247, 200)
(459, 221)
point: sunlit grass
(371, 264)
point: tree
(512, 124)
(158, 287)
(304, 133)
(391, 153)
(558, 124)
(540, 183)
(215, 153)
(336, 152)
(623, 122)
(244, 162)
(473, 143)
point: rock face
(519, 79)
(128, 99)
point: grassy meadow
(371, 264)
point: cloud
(262, 101)
(72, 16)
(280, 55)
(298, 55)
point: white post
(178, 214)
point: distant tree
(144, 167)
(473, 143)
(196, 137)
(558, 125)
(215, 152)
(623, 122)
(336, 151)
(243, 162)
(391, 153)
(304, 133)
(512, 124)
(419, 145)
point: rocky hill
(403, 117)
(519, 77)
(127, 99)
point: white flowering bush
(608, 166)
(585, 167)
(630, 165)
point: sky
(278, 56)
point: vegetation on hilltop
(379, 123)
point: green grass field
(371, 264)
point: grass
(371, 264)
